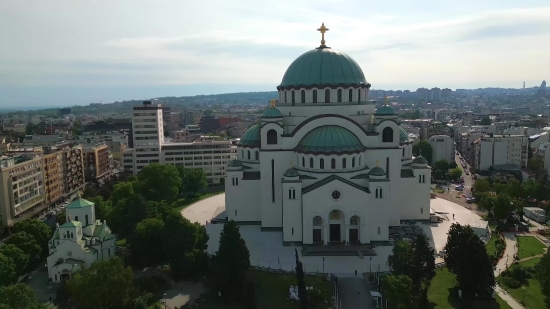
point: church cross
(272, 103)
(323, 29)
(386, 100)
(377, 162)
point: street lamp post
(323, 266)
(524, 295)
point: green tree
(485, 121)
(536, 165)
(230, 263)
(76, 128)
(37, 229)
(467, 258)
(455, 173)
(503, 206)
(416, 260)
(160, 182)
(8, 274)
(515, 189)
(543, 274)
(18, 296)
(105, 284)
(487, 202)
(179, 238)
(19, 258)
(425, 149)
(481, 186)
(102, 207)
(399, 289)
(61, 217)
(27, 244)
(146, 242)
(123, 190)
(193, 180)
(127, 213)
(302, 291)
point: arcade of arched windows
(331, 162)
(322, 95)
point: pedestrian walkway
(506, 261)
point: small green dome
(377, 171)
(235, 163)
(79, 203)
(385, 110)
(403, 136)
(323, 67)
(291, 172)
(251, 137)
(329, 140)
(420, 160)
(272, 112)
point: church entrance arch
(354, 223)
(317, 230)
(336, 224)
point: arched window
(286, 96)
(76, 218)
(353, 162)
(354, 220)
(303, 162)
(327, 96)
(257, 155)
(248, 155)
(339, 95)
(359, 160)
(344, 163)
(242, 153)
(333, 163)
(322, 164)
(314, 96)
(358, 95)
(303, 96)
(310, 162)
(271, 137)
(387, 135)
(293, 100)
(86, 219)
(350, 95)
(317, 221)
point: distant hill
(125, 106)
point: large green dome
(323, 67)
(385, 110)
(251, 138)
(403, 136)
(330, 140)
(272, 112)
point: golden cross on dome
(323, 29)
(291, 164)
(273, 102)
(377, 162)
(386, 101)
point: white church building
(78, 242)
(322, 165)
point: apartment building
(443, 148)
(73, 169)
(52, 160)
(97, 165)
(22, 193)
(147, 134)
(492, 150)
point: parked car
(459, 188)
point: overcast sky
(75, 52)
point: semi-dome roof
(403, 136)
(251, 137)
(420, 160)
(272, 112)
(323, 67)
(329, 140)
(291, 172)
(235, 163)
(377, 171)
(385, 110)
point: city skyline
(77, 53)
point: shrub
(510, 282)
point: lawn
(533, 295)
(491, 245)
(529, 246)
(443, 294)
(184, 202)
(271, 291)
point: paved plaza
(267, 250)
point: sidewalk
(506, 261)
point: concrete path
(506, 261)
(354, 293)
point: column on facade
(325, 233)
(346, 236)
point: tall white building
(501, 149)
(443, 147)
(147, 126)
(323, 166)
(151, 147)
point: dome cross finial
(273, 103)
(323, 29)
(385, 100)
(377, 163)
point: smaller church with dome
(322, 165)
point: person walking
(453, 216)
